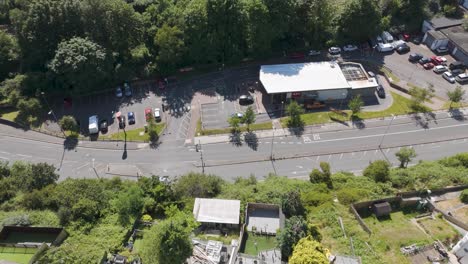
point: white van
(387, 37)
(384, 47)
(93, 127)
(462, 78)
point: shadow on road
(456, 114)
(251, 139)
(70, 143)
(124, 154)
(358, 122)
(235, 138)
(296, 131)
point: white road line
(341, 156)
(329, 157)
(316, 136)
(22, 155)
(5, 158)
(365, 152)
(291, 142)
(387, 150)
(376, 151)
(318, 157)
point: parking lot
(414, 73)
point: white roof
(301, 77)
(216, 211)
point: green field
(134, 134)
(262, 243)
(9, 113)
(19, 255)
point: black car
(103, 126)
(457, 65)
(122, 122)
(246, 99)
(414, 57)
(424, 60)
(131, 118)
(403, 49)
(380, 91)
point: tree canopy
(308, 251)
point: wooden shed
(382, 209)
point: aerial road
(349, 149)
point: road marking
(22, 155)
(365, 152)
(316, 136)
(329, 157)
(341, 156)
(306, 139)
(387, 150)
(282, 142)
(5, 158)
(318, 157)
(291, 142)
(376, 151)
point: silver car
(449, 77)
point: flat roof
(216, 211)
(459, 36)
(314, 76)
(301, 77)
(445, 22)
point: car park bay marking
(306, 139)
(316, 136)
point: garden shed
(382, 209)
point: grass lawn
(253, 127)
(134, 134)
(390, 74)
(400, 106)
(263, 243)
(16, 257)
(439, 229)
(137, 244)
(391, 234)
(225, 239)
(9, 114)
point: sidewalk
(329, 127)
(7, 130)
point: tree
(21, 175)
(79, 65)
(421, 95)
(234, 123)
(85, 210)
(42, 174)
(198, 185)
(356, 104)
(29, 107)
(152, 132)
(405, 155)
(308, 251)
(259, 31)
(9, 53)
(294, 229)
(169, 241)
(129, 204)
(171, 47)
(378, 170)
(291, 204)
(359, 20)
(324, 176)
(294, 110)
(456, 95)
(68, 123)
(249, 117)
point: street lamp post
(53, 113)
(272, 140)
(201, 157)
(386, 130)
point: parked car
(238, 115)
(103, 126)
(440, 69)
(414, 57)
(314, 52)
(379, 39)
(404, 36)
(428, 65)
(381, 91)
(148, 114)
(457, 71)
(387, 37)
(417, 40)
(296, 55)
(334, 50)
(118, 92)
(246, 99)
(93, 124)
(350, 48)
(437, 60)
(122, 122)
(131, 118)
(401, 49)
(457, 65)
(157, 114)
(424, 60)
(161, 85)
(442, 50)
(371, 74)
(449, 77)
(385, 47)
(127, 90)
(462, 78)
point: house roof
(216, 211)
(311, 76)
(461, 249)
(459, 36)
(444, 22)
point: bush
(198, 185)
(378, 170)
(464, 196)
(349, 196)
(68, 123)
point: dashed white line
(341, 156)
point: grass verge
(253, 127)
(9, 114)
(401, 105)
(390, 74)
(135, 134)
(21, 258)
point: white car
(118, 92)
(440, 68)
(157, 114)
(350, 48)
(449, 77)
(314, 52)
(334, 50)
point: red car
(428, 65)
(406, 37)
(436, 60)
(148, 114)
